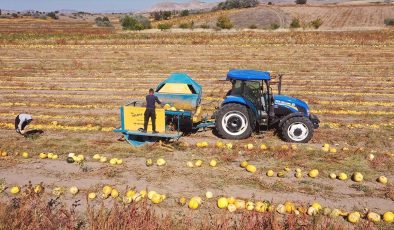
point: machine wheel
(233, 122)
(297, 129)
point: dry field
(343, 17)
(334, 17)
(73, 85)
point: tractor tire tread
(233, 107)
(288, 122)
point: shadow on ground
(33, 134)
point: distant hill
(192, 5)
(68, 11)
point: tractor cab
(250, 104)
(253, 87)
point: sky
(82, 5)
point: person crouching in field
(21, 123)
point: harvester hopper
(182, 112)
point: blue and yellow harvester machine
(181, 113)
(250, 106)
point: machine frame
(250, 106)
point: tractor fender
(288, 116)
(242, 101)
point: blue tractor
(251, 106)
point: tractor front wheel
(297, 129)
(233, 122)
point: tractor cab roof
(248, 75)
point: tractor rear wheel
(297, 129)
(233, 122)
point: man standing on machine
(151, 100)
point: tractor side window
(237, 88)
(252, 92)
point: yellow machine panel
(175, 88)
(134, 119)
(197, 115)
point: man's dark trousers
(150, 113)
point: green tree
(135, 22)
(274, 26)
(295, 23)
(143, 20)
(224, 22)
(233, 4)
(129, 23)
(161, 15)
(52, 15)
(187, 25)
(185, 13)
(103, 22)
(389, 21)
(164, 26)
(156, 15)
(316, 23)
(300, 2)
(167, 15)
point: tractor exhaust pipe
(280, 83)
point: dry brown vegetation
(54, 214)
(28, 25)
